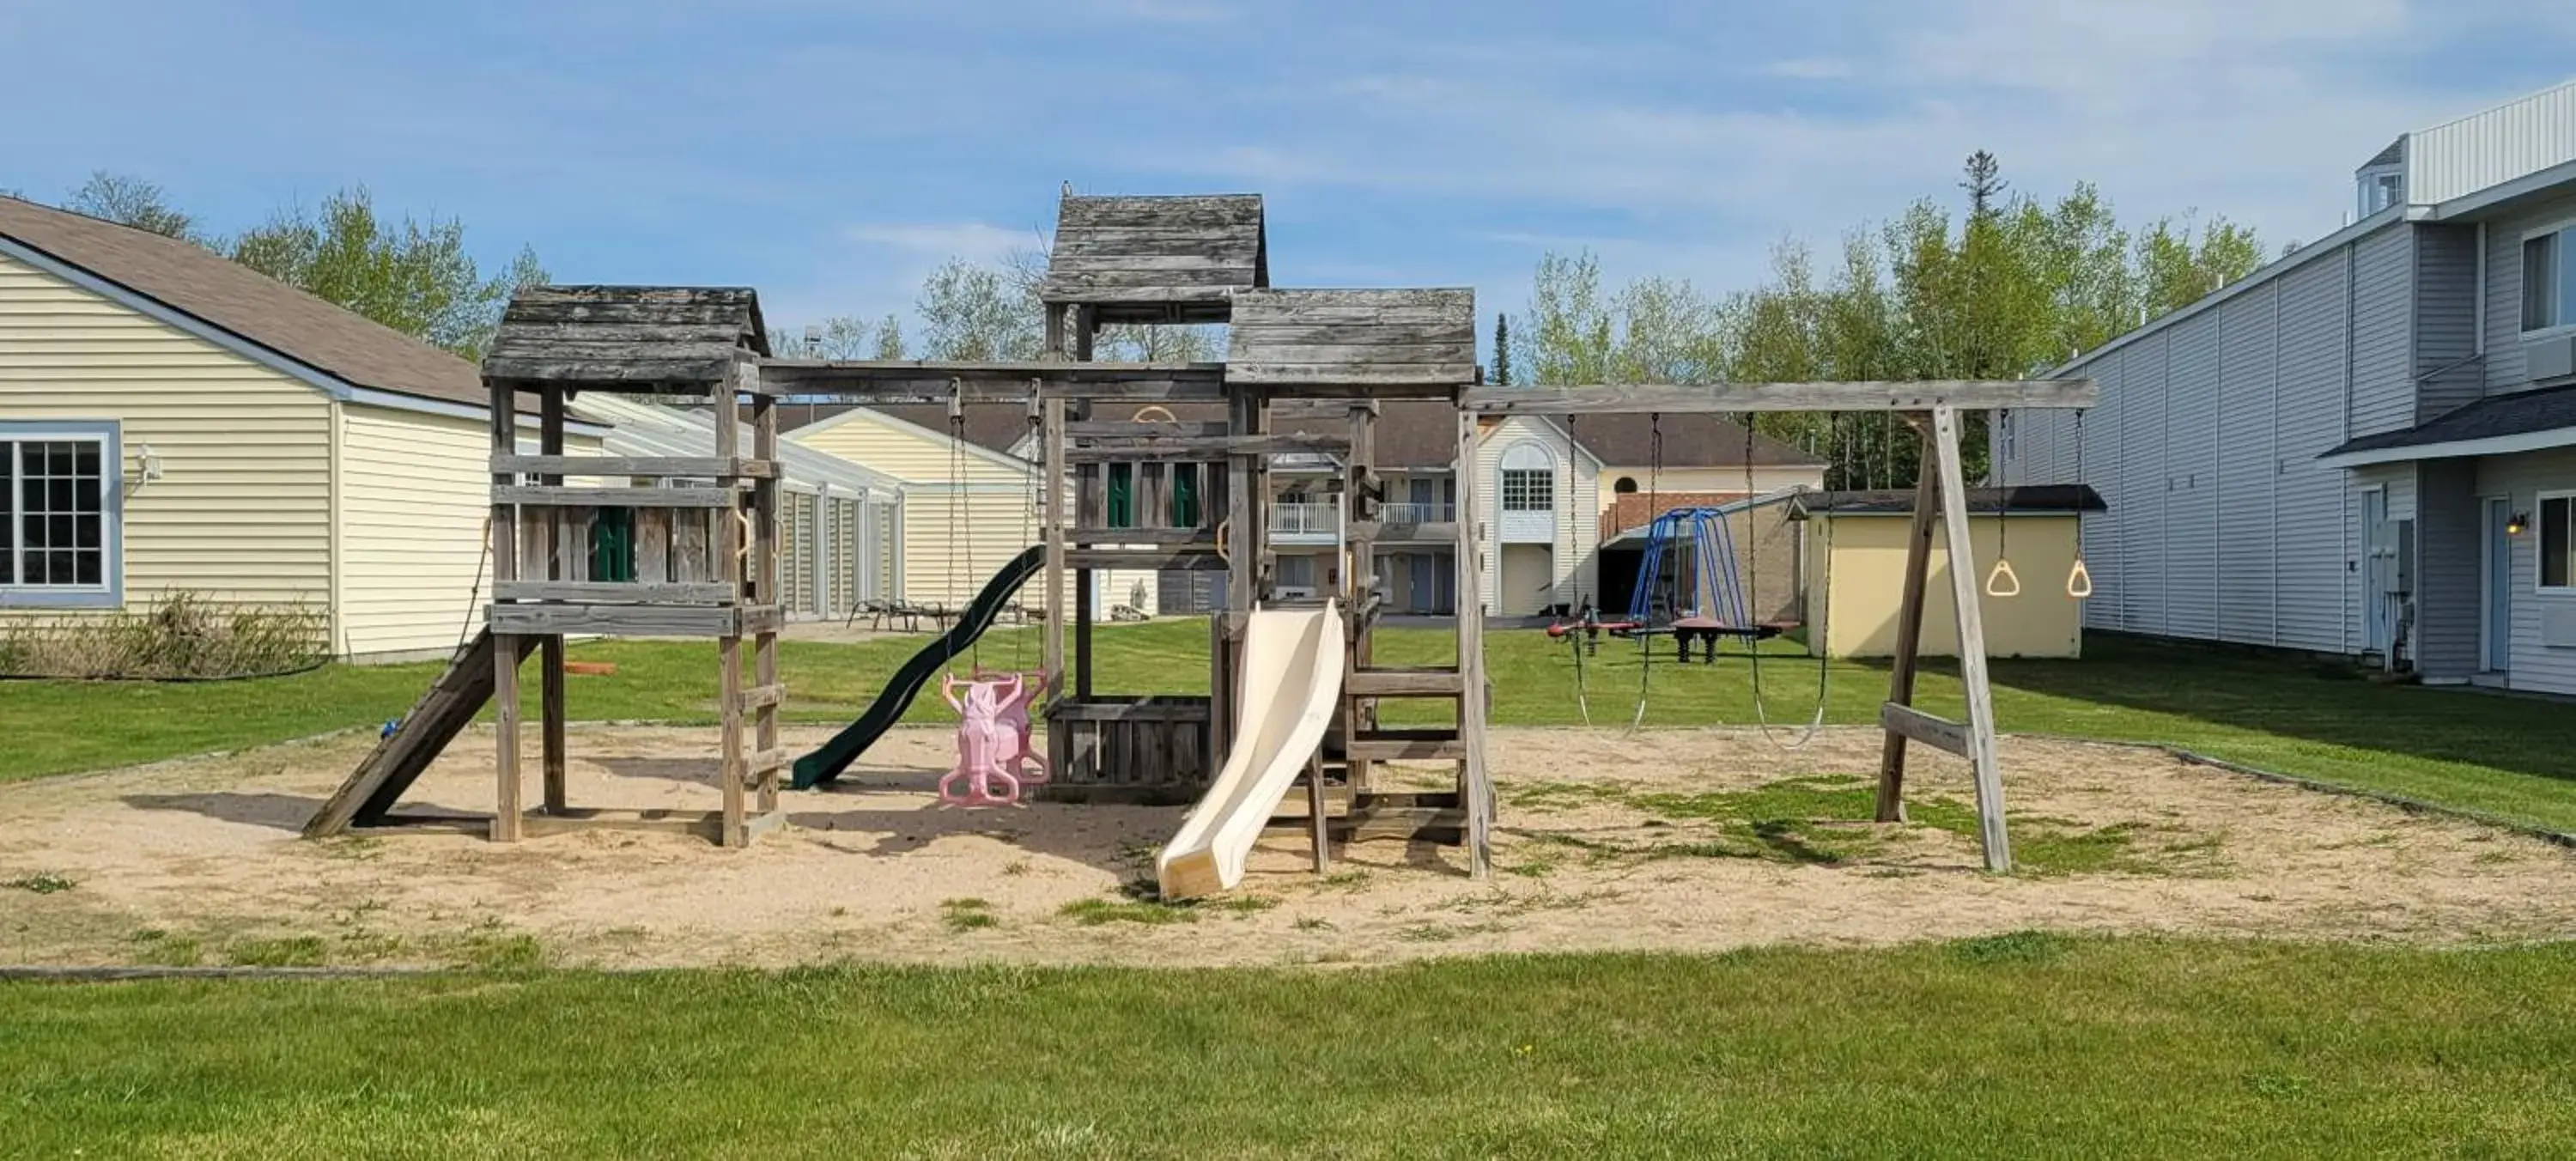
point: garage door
(1527, 576)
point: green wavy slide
(825, 764)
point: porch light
(2516, 523)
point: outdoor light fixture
(2514, 524)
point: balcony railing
(1417, 513)
(1305, 520)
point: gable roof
(249, 306)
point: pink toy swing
(992, 733)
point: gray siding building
(2367, 447)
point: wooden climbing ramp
(368, 797)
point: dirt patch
(1675, 840)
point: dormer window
(2381, 187)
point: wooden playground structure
(1128, 486)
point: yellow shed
(172, 422)
(1856, 571)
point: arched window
(1627, 486)
(1529, 479)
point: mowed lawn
(2513, 758)
(2016, 1045)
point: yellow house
(172, 421)
(1856, 571)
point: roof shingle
(252, 306)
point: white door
(2378, 572)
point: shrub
(183, 636)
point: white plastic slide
(1292, 674)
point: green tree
(1502, 349)
(2012, 287)
(885, 340)
(1569, 336)
(133, 201)
(974, 313)
(410, 275)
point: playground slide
(826, 763)
(1292, 675)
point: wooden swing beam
(1940, 492)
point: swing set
(1932, 409)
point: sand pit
(1680, 840)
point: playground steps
(1428, 681)
(397, 761)
(1434, 816)
(1418, 744)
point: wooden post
(1359, 582)
(550, 441)
(505, 649)
(729, 545)
(1972, 644)
(1083, 614)
(1051, 438)
(1315, 828)
(765, 531)
(1472, 694)
(1909, 623)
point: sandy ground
(200, 860)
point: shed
(232, 437)
(1855, 565)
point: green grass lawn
(2023, 1045)
(2515, 758)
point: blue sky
(832, 153)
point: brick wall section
(1633, 509)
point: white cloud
(2256, 109)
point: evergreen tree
(1502, 349)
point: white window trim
(109, 593)
(2540, 542)
(2565, 228)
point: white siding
(2535, 666)
(2504, 362)
(2448, 595)
(2309, 500)
(415, 490)
(2143, 486)
(242, 512)
(1576, 532)
(2248, 467)
(2191, 479)
(2446, 319)
(2099, 457)
(2497, 145)
(2383, 379)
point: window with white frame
(2380, 188)
(2557, 529)
(1529, 480)
(58, 517)
(2549, 278)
